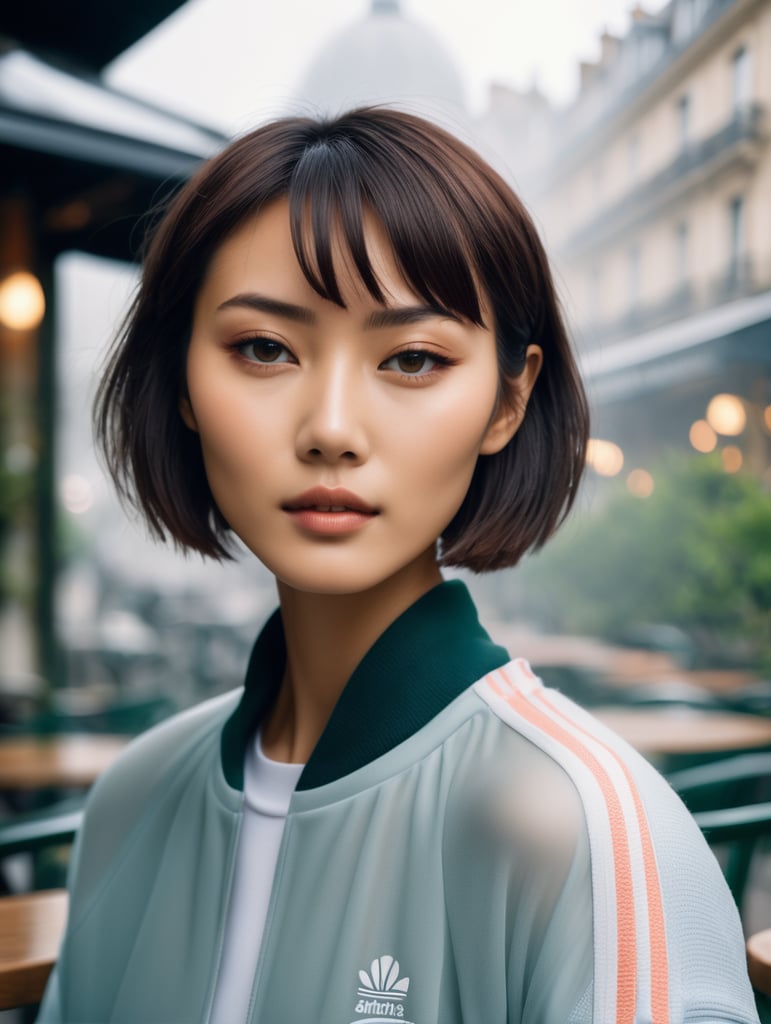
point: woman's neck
(327, 635)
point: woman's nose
(332, 427)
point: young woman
(346, 350)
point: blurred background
(640, 139)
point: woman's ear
(186, 412)
(512, 405)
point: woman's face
(338, 443)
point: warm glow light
(604, 457)
(767, 416)
(22, 302)
(732, 459)
(702, 436)
(640, 483)
(77, 494)
(726, 415)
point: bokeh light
(22, 302)
(702, 436)
(726, 415)
(640, 483)
(732, 458)
(77, 494)
(605, 457)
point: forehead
(261, 249)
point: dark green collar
(422, 662)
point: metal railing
(740, 278)
(640, 202)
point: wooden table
(664, 731)
(31, 928)
(63, 760)
(759, 961)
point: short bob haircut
(460, 237)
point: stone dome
(384, 57)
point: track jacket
(464, 847)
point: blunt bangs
(463, 242)
(339, 180)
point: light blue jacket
(484, 854)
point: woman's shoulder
(152, 771)
(568, 748)
(592, 829)
(149, 756)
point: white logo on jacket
(381, 993)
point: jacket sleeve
(668, 950)
(519, 894)
(148, 777)
(622, 870)
(576, 874)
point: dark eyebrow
(404, 315)
(287, 310)
(399, 317)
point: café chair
(39, 833)
(580, 684)
(670, 693)
(32, 923)
(125, 717)
(50, 826)
(752, 699)
(730, 800)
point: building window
(689, 15)
(741, 75)
(681, 254)
(684, 120)
(736, 237)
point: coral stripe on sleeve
(523, 694)
(656, 928)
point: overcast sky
(232, 63)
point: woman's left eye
(414, 362)
(264, 350)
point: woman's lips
(329, 511)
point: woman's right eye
(264, 350)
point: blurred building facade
(654, 193)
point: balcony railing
(738, 280)
(607, 102)
(746, 126)
(741, 278)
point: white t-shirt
(268, 788)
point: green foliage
(696, 554)
(16, 490)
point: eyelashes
(414, 363)
(263, 351)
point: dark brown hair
(459, 236)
